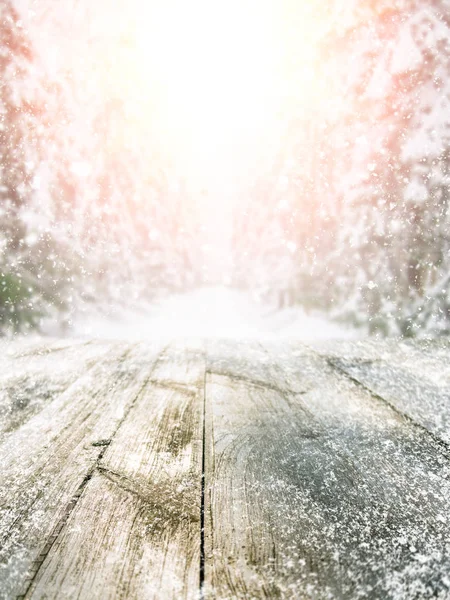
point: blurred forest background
(347, 213)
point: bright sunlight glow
(218, 78)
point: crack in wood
(50, 541)
(291, 504)
(202, 498)
(336, 365)
(142, 491)
(99, 443)
(190, 390)
(35, 478)
(181, 506)
(37, 563)
(265, 385)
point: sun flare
(218, 80)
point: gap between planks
(444, 446)
(189, 371)
(52, 538)
(59, 526)
(203, 492)
(207, 455)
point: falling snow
(197, 199)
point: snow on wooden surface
(224, 469)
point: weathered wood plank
(412, 376)
(317, 489)
(135, 533)
(30, 381)
(47, 460)
(424, 358)
(21, 346)
(433, 355)
(413, 387)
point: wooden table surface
(224, 469)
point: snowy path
(249, 469)
(211, 313)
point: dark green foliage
(17, 311)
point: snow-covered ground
(210, 312)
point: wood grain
(135, 533)
(45, 461)
(30, 380)
(316, 489)
(412, 376)
(316, 473)
(410, 390)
